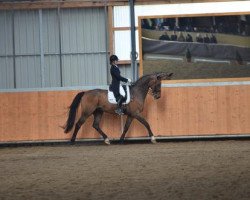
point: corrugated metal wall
(27, 49)
(53, 48)
(6, 50)
(83, 47)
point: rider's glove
(129, 81)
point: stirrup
(119, 111)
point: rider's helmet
(113, 58)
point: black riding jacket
(116, 78)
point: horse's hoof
(106, 141)
(153, 140)
(122, 140)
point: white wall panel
(194, 8)
(123, 44)
(121, 16)
(176, 9)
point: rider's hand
(129, 81)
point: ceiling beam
(46, 4)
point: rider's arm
(117, 75)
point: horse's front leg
(145, 123)
(126, 127)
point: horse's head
(155, 83)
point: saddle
(124, 91)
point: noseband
(155, 93)
(154, 89)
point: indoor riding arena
(166, 170)
(52, 51)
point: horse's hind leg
(96, 124)
(126, 127)
(145, 123)
(77, 127)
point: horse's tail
(72, 112)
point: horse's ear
(160, 75)
(163, 76)
(170, 75)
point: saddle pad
(111, 97)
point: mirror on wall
(196, 47)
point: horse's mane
(143, 77)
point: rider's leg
(119, 100)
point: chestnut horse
(96, 102)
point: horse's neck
(141, 89)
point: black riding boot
(119, 109)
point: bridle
(155, 91)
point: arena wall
(181, 111)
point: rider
(115, 85)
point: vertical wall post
(41, 48)
(133, 47)
(106, 40)
(14, 47)
(60, 43)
